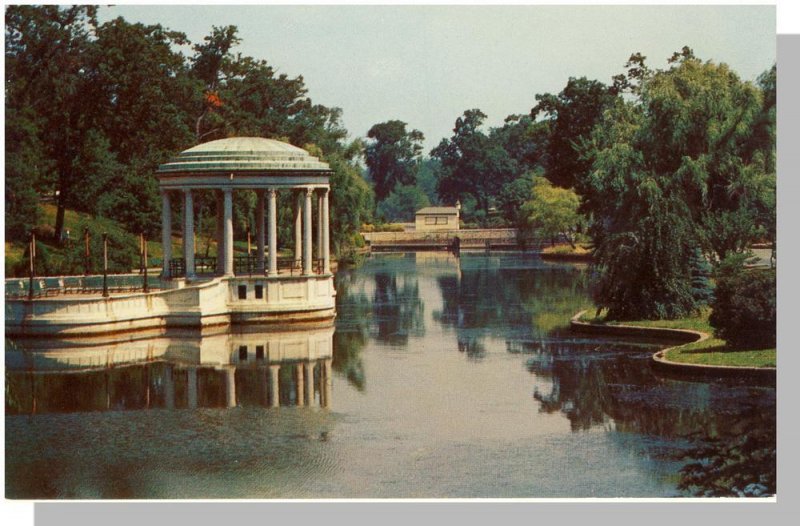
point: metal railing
(244, 266)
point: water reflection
(476, 389)
(728, 429)
(489, 296)
(178, 371)
(397, 308)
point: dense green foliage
(552, 211)
(744, 306)
(92, 110)
(702, 288)
(392, 156)
(572, 114)
(402, 203)
(473, 163)
(676, 166)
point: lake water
(445, 377)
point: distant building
(434, 218)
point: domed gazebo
(246, 163)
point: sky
(426, 65)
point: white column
(327, 382)
(220, 233)
(299, 377)
(273, 380)
(272, 229)
(166, 232)
(260, 231)
(326, 233)
(298, 227)
(188, 232)
(227, 267)
(308, 370)
(230, 386)
(320, 226)
(307, 232)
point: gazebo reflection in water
(181, 370)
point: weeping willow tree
(686, 161)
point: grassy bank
(712, 351)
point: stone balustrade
(220, 301)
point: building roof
(438, 210)
(244, 154)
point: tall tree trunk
(61, 208)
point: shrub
(744, 309)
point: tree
(473, 163)
(571, 115)
(641, 229)
(26, 171)
(552, 211)
(700, 126)
(92, 110)
(702, 288)
(427, 179)
(402, 203)
(211, 58)
(744, 307)
(46, 52)
(673, 167)
(351, 200)
(525, 140)
(512, 198)
(392, 156)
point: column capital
(309, 192)
(227, 190)
(272, 191)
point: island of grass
(706, 351)
(567, 252)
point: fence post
(87, 259)
(144, 244)
(105, 264)
(141, 253)
(31, 259)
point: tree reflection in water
(494, 296)
(398, 309)
(732, 449)
(352, 330)
(740, 462)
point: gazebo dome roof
(244, 154)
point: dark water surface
(449, 378)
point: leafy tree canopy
(551, 211)
(677, 165)
(392, 156)
(473, 163)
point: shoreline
(682, 336)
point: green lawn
(712, 351)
